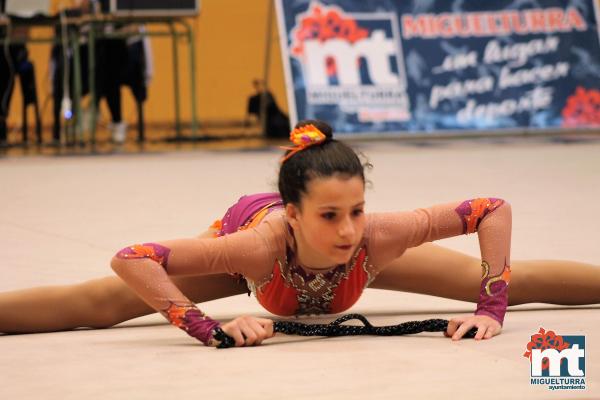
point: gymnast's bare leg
(98, 303)
(428, 269)
(438, 271)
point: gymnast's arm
(146, 269)
(491, 218)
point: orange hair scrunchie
(303, 137)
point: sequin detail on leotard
(472, 212)
(153, 251)
(190, 319)
(503, 278)
(493, 293)
(291, 290)
(246, 213)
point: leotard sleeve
(390, 234)
(146, 269)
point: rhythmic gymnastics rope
(337, 329)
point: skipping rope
(337, 329)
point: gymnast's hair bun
(322, 126)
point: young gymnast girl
(310, 249)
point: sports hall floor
(63, 216)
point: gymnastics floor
(63, 217)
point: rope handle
(336, 328)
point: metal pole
(192, 59)
(176, 80)
(263, 96)
(79, 129)
(92, 81)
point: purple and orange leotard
(254, 241)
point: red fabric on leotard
(277, 296)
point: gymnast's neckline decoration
(292, 290)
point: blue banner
(420, 66)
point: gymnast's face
(329, 224)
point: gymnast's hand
(487, 327)
(249, 331)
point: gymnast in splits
(310, 249)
